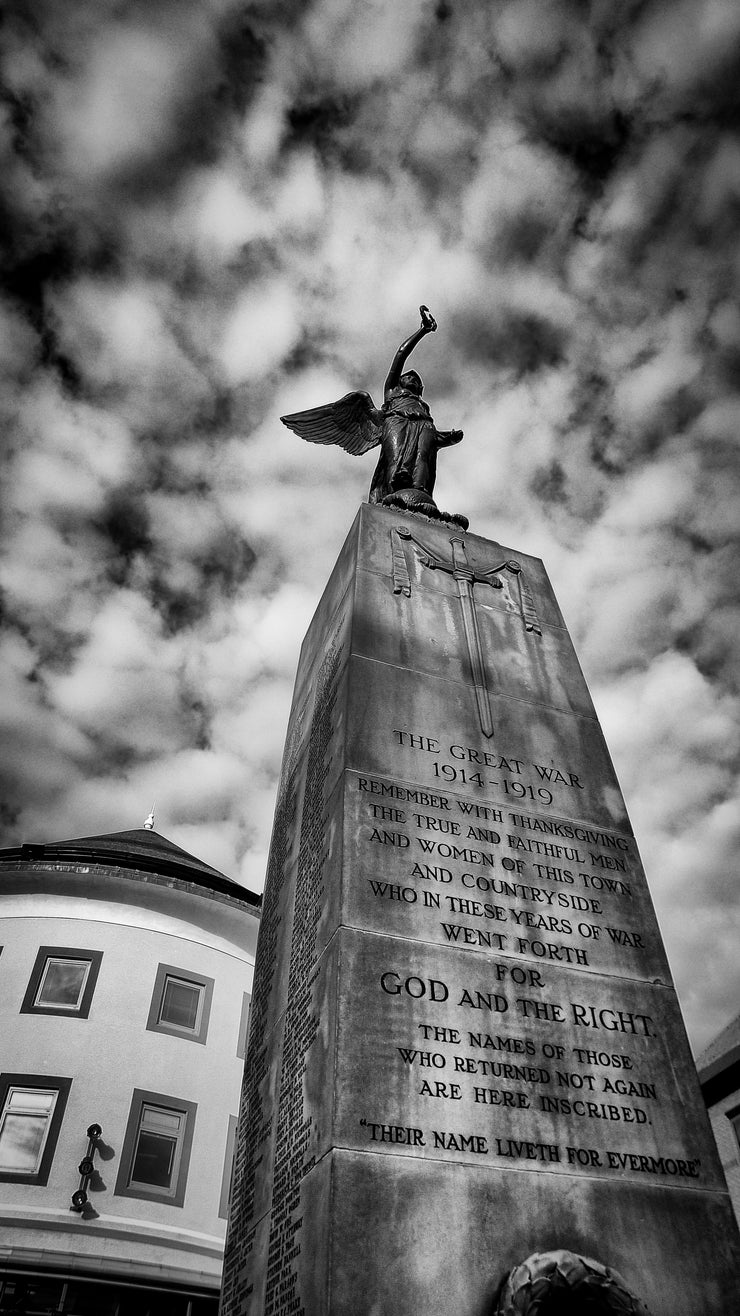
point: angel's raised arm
(427, 326)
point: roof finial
(149, 824)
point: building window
(42, 1295)
(181, 1003)
(62, 981)
(156, 1148)
(228, 1173)
(31, 1110)
(241, 1041)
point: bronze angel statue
(403, 428)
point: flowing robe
(409, 444)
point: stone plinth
(465, 1043)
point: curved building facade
(125, 981)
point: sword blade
(475, 652)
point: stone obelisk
(466, 1053)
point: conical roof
(139, 848)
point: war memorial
(468, 1089)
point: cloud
(353, 47)
(677, 738)
(260, 333)
(216, 216)
(118, 110)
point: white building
(125, 982)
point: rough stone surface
(465, 1044)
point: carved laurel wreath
(547, 1280)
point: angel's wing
(353, 422)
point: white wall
(137, 925)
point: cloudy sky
(220, 212)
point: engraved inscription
(458, 870)
(510, 1063)
(301, 1019)
(255, 1117)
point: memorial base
(465, 1044)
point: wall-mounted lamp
(86, 1168)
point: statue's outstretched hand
(447, 437)
(428, 322)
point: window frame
(37, 1083)
(733, 1115)
(243, 1034)
(156, 1025)
(227, 1176)
(46, 953)
(174, 1196)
